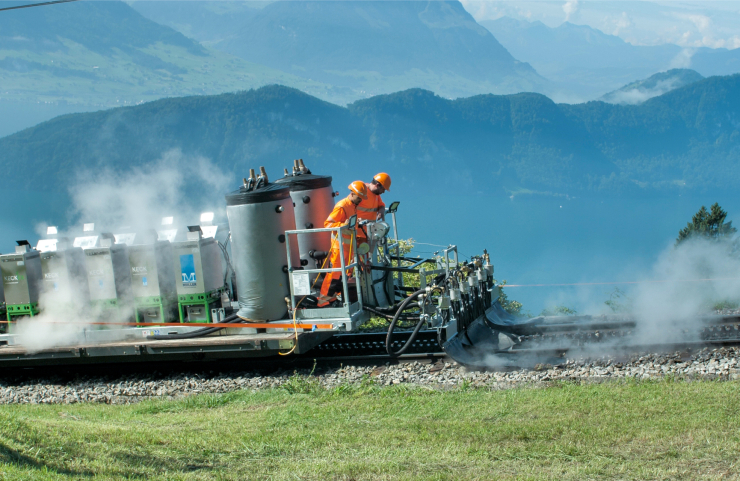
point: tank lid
(305, 181)
(268, 193)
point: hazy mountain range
(684, 140)
(89, 55)
(369, 46)
(586, 63)
(96, 54)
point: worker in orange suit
(372, 208)
(343, 210)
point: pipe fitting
(263, 175)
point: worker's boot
(334, 288)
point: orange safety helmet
(384, 180)
(358, 187)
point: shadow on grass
(9, 455)
(158, 464)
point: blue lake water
(532, 240)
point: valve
(481, 275)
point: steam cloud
(175, 185)
(570, 8)
(680, 289)
(699, 273)
(694, 277)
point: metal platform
(142, 350)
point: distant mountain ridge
(581, 58)
(653, 86)
(89, 55)
(373, 47)
(101, 27)
(683, 140)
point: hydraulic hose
(392, 327)
(232, 319)
(393, 309)
(389, 316)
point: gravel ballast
(720, 363)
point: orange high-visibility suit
(368, 210)
(343, 210)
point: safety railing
(343, 268)
(447, 252)
(423, 273)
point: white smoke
(668, 300)
(695, 276)
(174, 185)
(67, 317)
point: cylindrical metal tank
(313, 197)
(258, 219)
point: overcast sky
(691, 24)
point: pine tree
(709, 224)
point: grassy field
(632, 430)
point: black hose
(389, 316)
(412, 337)
(232, 319)
(393, 309)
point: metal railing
(342, 268)
(447, 251)
(423, 273)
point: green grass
(631, 430)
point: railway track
(625, 331)
(601, 336)
(556, 339)
(335, 365)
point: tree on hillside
(708, 224)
